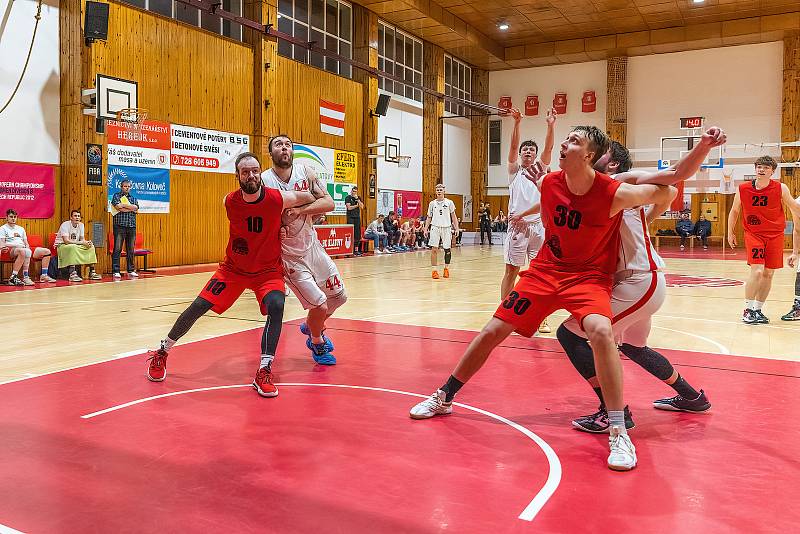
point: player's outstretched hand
(793, 260)
(551, 116)
(714, 137)
(732, 240)
(513, 113)
(516, 223)
(535, 171)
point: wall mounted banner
(336, 239)
(560, 103)
(588, 102)
(143, 157)
(385, 202)
(408, 204)
(27, 188)
(201, 149)
(532, 105)
(337, 169)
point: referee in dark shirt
(354, 206)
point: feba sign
(337, 239)
(200, 149)
(337, 169)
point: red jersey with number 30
(762, 209)
(579, 234)
(254, 245)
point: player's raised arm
(655, 211)
(686, 167)
(630, 196)
(550, 138)
(322, 201)
(536, 172)
(513, 147)
(296, 198)
(733, 216)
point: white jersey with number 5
(439, 211)
(300, 233)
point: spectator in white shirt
(73, 248)
(376, 232)
(14, 240)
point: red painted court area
(335, 459)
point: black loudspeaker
(95, 25)
(383, 105)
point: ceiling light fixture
(698, 1)
(503, 26)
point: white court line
(720, 346)
(8, 530)
(528, 514)
(92, 301)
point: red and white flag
(331, 118)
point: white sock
(748, 304)
(617, 418)
(757, 305)
(266, 360)
(167, 343)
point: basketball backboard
(109, 96)
(675, 147)
(392, 149)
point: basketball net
(132, 119)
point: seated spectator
(320, 219)
(419, 224)
(500, 223)
(14, 240)
(459, 234)
(392, 230)
(407, 235)
(376, 232)
(73, 248)
(684, 228)
(702, 229)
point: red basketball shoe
(263, 383)
(157, 370)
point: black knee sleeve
(447, 256)
(797, 284)
(578, 351)
(651, 361)
(273, 302)
(189, 316)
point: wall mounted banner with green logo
(337, 169)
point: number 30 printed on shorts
(519, 305)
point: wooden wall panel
(479, 145)
(790, 120)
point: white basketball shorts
(519, 248)
(314, 278)
(441, 236)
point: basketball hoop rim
(124, 117)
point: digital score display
(687, 123)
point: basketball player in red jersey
(252, 261)
(761, 201)
(581, 212)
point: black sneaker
(15, 280)
(597, 423)
(794, 313)
(761, 318)
(679, 404)
(749, 316)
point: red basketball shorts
(766, 251)
(537, 294)
(225, 286)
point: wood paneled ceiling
(548, 32)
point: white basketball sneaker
(623, 453)
(433, 405)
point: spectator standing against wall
(354, 206)
(126, 206)
(74, 249)
(485, 215)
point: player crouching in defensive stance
(252, 261)
(581, 212)
(441, 223)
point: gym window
(195, 17)
(495, 133)
(457, 83)
(399, 54)
(328, 23)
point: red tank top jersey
(762, 209)
(254, 245)
(579, 234)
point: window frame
(389, 63)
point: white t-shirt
(524, 194)
(300, 233)
(439, 211)
(14, 237)
(73, 233)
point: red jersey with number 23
(580, 236)
(762, 209)
(254, 245)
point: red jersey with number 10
(254, 245)
(579, 234)
(762, 209)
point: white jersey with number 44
(299, 231)
(439, 211)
